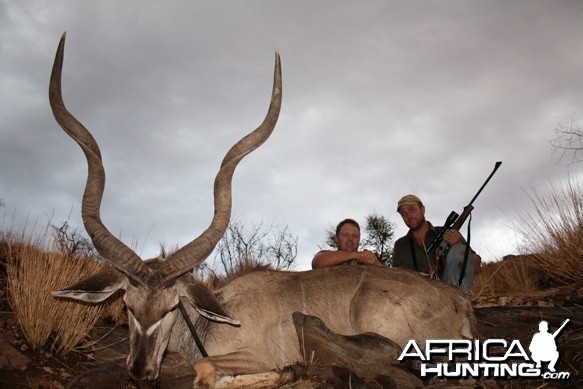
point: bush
(33, 272)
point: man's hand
(452, 237)
(367, 257)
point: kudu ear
(95, 288)
(206, 304)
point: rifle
(455, 221)
(560, 328)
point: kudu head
(152, 289)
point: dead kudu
(246, 326)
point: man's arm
(326, 258)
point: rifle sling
(466, 254)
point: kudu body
(246, 326)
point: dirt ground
(102, 365)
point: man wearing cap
(410, 250)
(347, 240)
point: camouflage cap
(408, 199)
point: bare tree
(379, 231)
(71, 241)
(568, 141)
(282, 247)
(275, 246)
(330, 243)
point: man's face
(413, 215)
(348, 238)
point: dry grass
(511, 276)
(553, 234)
(33, 272)
(554, 231)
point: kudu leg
(232, 364)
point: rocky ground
(101, 364)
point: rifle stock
(462, 218)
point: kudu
(246, 326)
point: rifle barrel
(458, 221)
(496, 166)
(560, 328)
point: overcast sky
(380, 99)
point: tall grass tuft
(34, 270)
(513, 275)
(554, 230)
